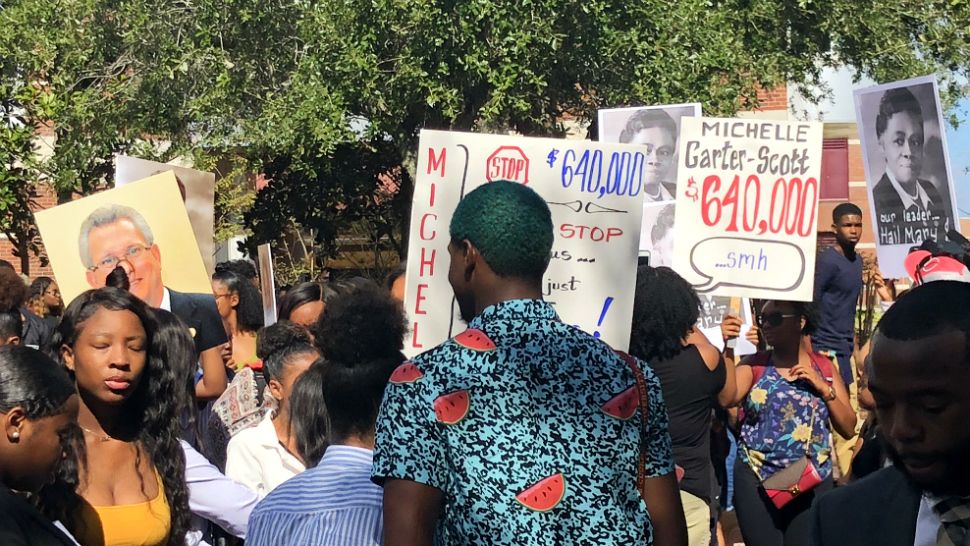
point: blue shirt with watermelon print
(530, 429)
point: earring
(15, 435)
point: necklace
(99, 435)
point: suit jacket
(879, 509)
(199, 313)
(21, 524)
(890, 213)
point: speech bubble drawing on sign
(747, 263)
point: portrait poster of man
(142, 227)
(198, 192)
(907, 169)
(657, 128)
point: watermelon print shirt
(510, 421)
(779, 424)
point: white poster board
(656, 128)
(907, 165)
(713, 311)
(198, 192)
(595, 194)
(747, 202)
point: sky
(958, 143)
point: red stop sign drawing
(507, 163)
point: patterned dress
(528, 427)
(778, 422)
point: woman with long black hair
(241, 309)
(38, 408)
(131, 485)
(695, 378)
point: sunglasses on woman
(774, 319)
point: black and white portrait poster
(911, 193)
(658, 129)
(712, 312)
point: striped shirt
(332, 504)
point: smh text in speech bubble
(747, 263)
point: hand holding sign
(746, 207)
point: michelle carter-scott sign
(594, 191)
(747, 201)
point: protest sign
(903, 138)
(713, 311)
(267, 284)
(747, 201)
(142, 226)
(594, 192)
(197, 190)
(656, 128)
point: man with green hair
(522, 429)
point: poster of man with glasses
(138, 228)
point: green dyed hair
(510, 225)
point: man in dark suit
(919, 377)
(908, 209)
(118, 236)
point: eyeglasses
(108, 263)
(774, 319)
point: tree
(298, 89)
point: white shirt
(927, 521)
(166, 303)
(214, 497)
(256, 459)
(906, 198)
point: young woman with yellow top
(131, 485)
(241, 309)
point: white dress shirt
(907, 199)
(256, 459)
(166, 302)
(214, 497)
(927, 521)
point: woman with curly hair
(694, 377)
(335, 405)
(263, 456)
(789, 396)
(130, 486)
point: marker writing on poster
(589, 233)
(621, 175)
(561, 286)
(507, 163)
(427, 233)
(787, 210)
(606, 307)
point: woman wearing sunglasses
(790, 400)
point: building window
(835, 170)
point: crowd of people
(316, 430)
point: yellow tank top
(141, 524)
